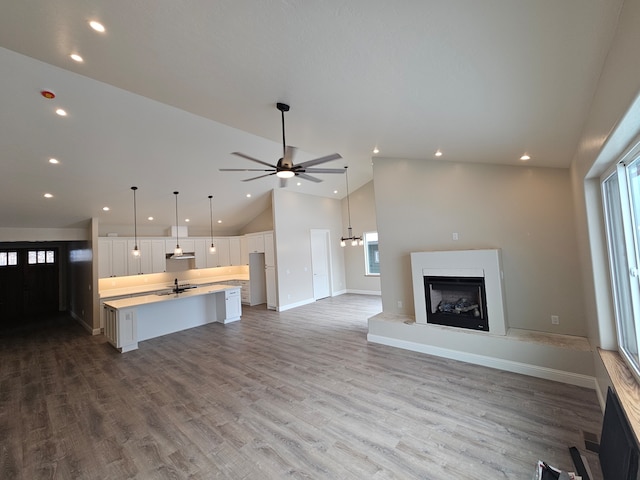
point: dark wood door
(29, 284)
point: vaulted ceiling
(170, 89)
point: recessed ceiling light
(55, 161)
(149, 218)
(525, 157)
(97, 26)
(106, 209)
(299, 183)
(61, 112)
(438, 153)
(77, 58)
(219, 221)
(187, 220)
(48, 195)
(248, 195)
(335, 191)
(375, 150)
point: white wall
(526, 212)
(295, 214)
(612, 124)
(363, 219)
(12, 234)
(261, 223)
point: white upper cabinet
(201, 251)
(115, 258)
(235, 256)
(221, 256)
(255, 243)
(119, 253)
(158, 256)
(269, 250)
(244, 251)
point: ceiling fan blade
(308, 177)
(260, 176)
(253, 159)
(324, 170)
(246, 170)
(320, 160)
(289, 153)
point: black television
(618, 448)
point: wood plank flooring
(298, 394)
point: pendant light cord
(211, 218)
(177, 233)
(346, 176)
(135, 218)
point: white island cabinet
(132, 320)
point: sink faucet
(175, 288)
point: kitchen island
(132, 320)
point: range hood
(184, 256)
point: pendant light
(212, 248)
(355, 241)
(177, 252)
(136, 251)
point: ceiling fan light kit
(285, 168)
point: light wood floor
(298, 394)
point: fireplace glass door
(457, 302)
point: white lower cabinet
(120, 328)
(233, 305)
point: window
(371, 254)
(35, 257)
(8, 259)
(621, 199)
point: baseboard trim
(85, 325)
(289, 306)
(365, 292)
(498, 363)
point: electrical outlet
(555, 320)
(399, 303)
(454, 235)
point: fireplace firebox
(456, 302)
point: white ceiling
(171, 88)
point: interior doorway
(320, 263)
(29, 282)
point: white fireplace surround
(462, 263)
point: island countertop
(106, 293)
(157, 298)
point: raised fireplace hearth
(460, 289)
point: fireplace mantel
(486, 263)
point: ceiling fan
(285, 168)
